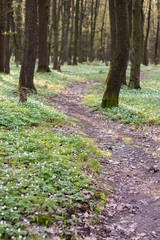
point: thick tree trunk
(43, 7)
(145, 50)
(120, 59)
(7, 36)
(75, 54)
(136, 45)
(30, 46)
(1, 36)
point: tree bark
(102, 39)
(145, 50)
(94, 14)
(156, 46)
(56, 12)
(71, 31)
(136, 45)
(1, 36)
(120, 59)
(7, 36)
(30, 46)
(43, 13)
(76, 34)
(113, 30)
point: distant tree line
(75, 31)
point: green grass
(135, 106)
(46, 172)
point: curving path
(133, 212)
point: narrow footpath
(133, 170)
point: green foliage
(135, 106)
(42, 170)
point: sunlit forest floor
(60, 155)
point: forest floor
(132, 168)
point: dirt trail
(134, 211)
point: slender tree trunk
(30, 46)
(43, 7)
(102, 33)
(1, 36)
(113, 30)
(76, 34)
(55, 30)
(7, 36)
(71, 31)
(119, 61)
(156, 46)
(80, 32)
(145, 50)
(50, 32)
(136, 45)
(94, 13)
(65, 23)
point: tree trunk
(30, 46)
(1, 36)
(71, 31)
(156, 46)
(80, 32)
(56, 12)
(112, 16)
(94, 13)
(136, 45)
(43, 7)
(7, 36)
(145, 50)
(65, 23)
(120, 59)
(76, 34)
(102, 34)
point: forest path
(134, 169)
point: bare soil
(133, 212)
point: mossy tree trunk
(43, 12)
(120, 59)
(30, 46)
(136, 45)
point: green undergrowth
(46, 172)
(43, 179)
(135, 106)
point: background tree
(145, 50)
(43, 13)
(76, 34)
(136, 45)
(2, 23)
(30, 46)
(120, 59)
(8, 8)
(156, 55)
